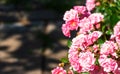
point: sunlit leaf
(108, 32)
(64, 60)
(69, 43)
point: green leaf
(108, 32)
(112, 5)
(64, 60)
(85, 73)
(103, 28)
(114, 19)
(96, 61)
(100, 41)
(75, 72)
(69, 43)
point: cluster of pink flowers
(82, 41)
(80, 17)
(58, 70)
(108, 64)
(84, 51)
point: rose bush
(96, 47)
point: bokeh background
(31, 40)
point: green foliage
(64, 60)
(111, 11)
(76, 72)
(100, 41)
(96, 62)
(69, 43)
(85, 73)
(108, 32)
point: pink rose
(90, 4)
(90, 23)
(117, 29)
(108, 64)
(117, 33)
(98, 70)
(117, 71)
(73, 58)
(86, 60)
(58, 70)
(80, 41)
(102, 58)
(93, 37)
(73, 24)
(76, 67)
(66, 30)
(80, 9)
(96, 18)
(70, 25)
(109, 47)
(71, 14)
(117, 38)
(85, 25)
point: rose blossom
(89, 23)
(72, 24)
(98, 70)
(58, 70)
(117, 29)
(92, 37)
(102, 58)
(66, 30)
(117, 33)
(96, 18)
(68, 26)
(85, 25)
(117, 71)
(109, 47)
(117, 38)
(73, 58)
(90, 4)
(82, 11)
(86, 60)
(71, 14)
(108, 64)
(82, 41)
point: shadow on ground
(31, 51)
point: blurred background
(31, 40)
